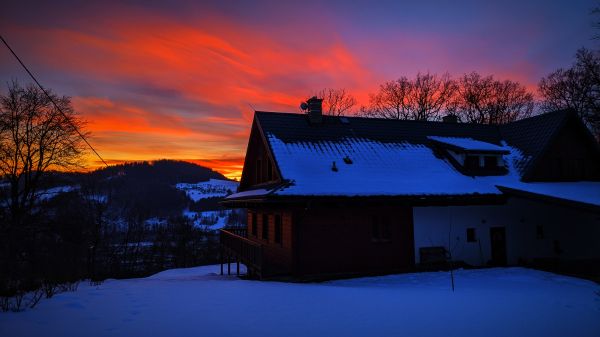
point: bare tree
(391, 101)
(336, 102)
(430, 94)
(577, 88)
(34, 137)
(421, 98)
(485, 100)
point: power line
(51, 100)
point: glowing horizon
(164, 81)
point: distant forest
(121, 221)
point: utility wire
(51, 100)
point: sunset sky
(177, 79)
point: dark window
(471, 235)
(277, 228)
(265, 226)
(254, 218)
(472, 162)
(269, 170)
(539, 232)
(258, 171)
(490, 162)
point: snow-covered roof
(365, 167)
(468, 144)
(374, 157)
(585, 192)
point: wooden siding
(339, 240)
(277, 256)
(257, 151)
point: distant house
(331, 195)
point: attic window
(269, 170)
(258, 171)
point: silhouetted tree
(35, 137)
(577, 88)
(336, 102)
(485, 100)
(391, 101)
(430, 95)
(422, 98)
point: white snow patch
(200, 302)
(469, 144)
(587, 192)
(50, 193)
(210, 220)
(213, 188)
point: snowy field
(214, 188)
(198, 302)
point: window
(539, 232)
(258, 171)
(471, 235)
(278, 228)
(265, 226)
(254, 218)
(471, 162)
(490, 162)
(269, 170)
(381, 230)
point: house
(331, 196)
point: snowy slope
(212, 220)
(208, 189)
(198, 302)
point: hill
(162, 171)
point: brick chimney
(315, 110)
(450, 118)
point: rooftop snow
(377, 168)
(586, 192)
(468, 144)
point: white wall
(577, 231)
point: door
(498, 244)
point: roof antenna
(251, 107)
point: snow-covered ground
(208, 189)
(199, 302)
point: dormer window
(471, 162)
(473, 157)
(490, 162)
